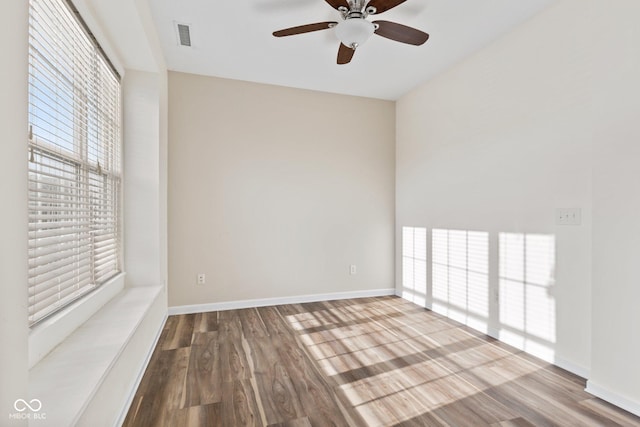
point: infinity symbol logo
(21, 405)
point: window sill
(66, 380)
(45, 336)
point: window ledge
(67, 378)
(45, 336)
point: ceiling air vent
(184, 34)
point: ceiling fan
(355, 29)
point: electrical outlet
(353, 269)
(201, 279)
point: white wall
(13, 215)
(615, 372)
(162, 84)
(162, 183)
(500, 141)
(142, 178)
(496, 145)
(275, 192)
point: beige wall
(503, 139)
(275, 192)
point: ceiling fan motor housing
(354, 31)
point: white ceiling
(232, 39)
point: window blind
(74, 160)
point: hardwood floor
(363, 362)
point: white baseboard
(265, 302)
(579, 370)
(143, 368)
(613, 398)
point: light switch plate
(568, 216)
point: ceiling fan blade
(401, 33)
(345, 54)
(304, 29)
(384, 5)
(337, 3)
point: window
(74, 160)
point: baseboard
(265, 302)
(145, 364)
(579, 370)
(613, 398)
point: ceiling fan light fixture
(354, 32)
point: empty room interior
(297, 213)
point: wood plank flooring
(361, 362)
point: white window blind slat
(54, 241)
(106, 261)
(63, 281)
(105, 272)
(101, 239)
(60, 299)
(74, 160)
(53, 255)
(51, 176)
(66, 280)
(35, 229)
(55, 232)
(105, 253)
(60, 248)
(61, 266)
